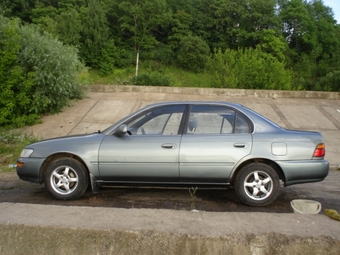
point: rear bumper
(296, 172)
(30, 171)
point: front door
(149, 153)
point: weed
(163, 76)
(11, 144)
(192, 192)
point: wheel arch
(268, 162)
(56, 156)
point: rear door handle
(168, 146)
(239, 145)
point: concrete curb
(19, 239)
(219, 92)
(43, 229)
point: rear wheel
(66, 179)
(257, 184)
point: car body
(208, 144)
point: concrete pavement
(47, 229)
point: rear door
(217, 137)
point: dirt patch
(215, 200)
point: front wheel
(257, 184)
(66, 179)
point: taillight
(319, 151)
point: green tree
(44, 16)
(140, 18)
(327, 41)
(109, 55)
(297, 25)
(310, 30)
(19, 8)
(204, 19)
(69, 26)
(65, 5)
(180, 23)
(273, 44)
(95, 33)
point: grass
(178, 77)
(11, 144)
(119, 77)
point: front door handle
(168, 146)
(239, 145)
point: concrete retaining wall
(23, 239)
(216, 91)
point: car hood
(66, 143)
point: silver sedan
(210, 144)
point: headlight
(26, 153)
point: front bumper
(30, 171)
(296, 172)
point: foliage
(178, 77)
(193, 53)
(162, 54)
(38, 74)
(69, 26)
(16, 85)
(95, 33)
(124, 58)
(330, 82)
(58, 71)
(180, 24)
(11, 144)
(109, 54)
(152, 78)
(302, 35)
(249, 69)
(140, 18)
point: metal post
(137, 63)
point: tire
(257, 184)
(66, 179)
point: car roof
(195, 103)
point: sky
(335, 5)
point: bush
(15, 85)
(57, 70)
(249, 69)
(162, 54)
(193, 53)
(152, 79)
(124, 58)
(330, 82)
(109, 54)
(11, 144)
(38, 74)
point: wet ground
(326, 192)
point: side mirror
(121, 130)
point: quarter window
(241, 125)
